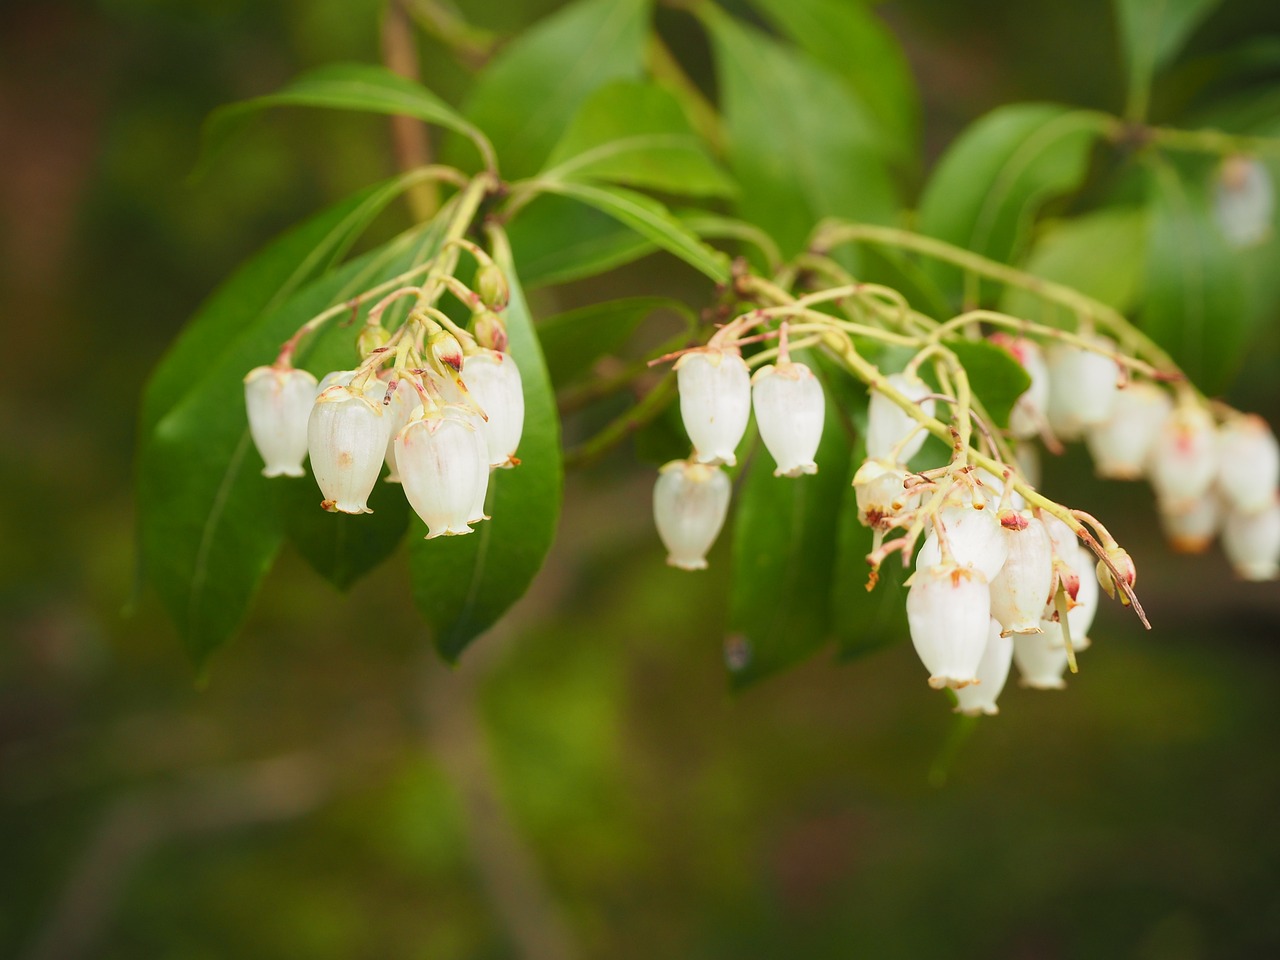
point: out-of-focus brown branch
(409, 137)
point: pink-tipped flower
(1120, 445)
(1021, 588)
(974, 539)
(1252, 542)
(1124, 566)
(715, 402)
(789, 407)
(1184, 458)
(949, 614)
(993, 670)
(1191, 527)
(1248, 463)
(1243, 201)
(1082, 387)
(1041, 657)
(1028, 414)
(443, 467)
(493, 380)
(1085, 605)
(278, 403)
(888, 425)
(347, 440)
(879, 487)
(403, 403)
(690, 502)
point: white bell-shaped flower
(790, 409)
(472, 416)
(1082, 387)
(443, 464)
(494, 382)
(949, 613)
(690, 502)
(1248, 463)
(1243, 201)
(1251, 542)
(1028, 413)
(404, 402)
(1041, 657)
(1192, 526)
(1184, 458)
(279, 403)
(993, 670)
(1120, 444)
(1021, 588)
(973, 536)
(1080, 616)
(879, 488)
(888, 425)
(715, 402)
(347, 440)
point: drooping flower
(949, 613)
(1243, 201)
(888, 425)
(1085, 608)
(1021, 588)
(1191, 527)
(790, 409)
(1184, 457)
(1082, 387)
(973, 536)
(347, 441)
(278, 402)
(493, 380)
(879, 488)
(1248, 463)
(443, 466)
(403, 403)
(1252, 542)
(993, 670)
(715, 402)
(1120, 444)
(690, 502)
(1041, 657)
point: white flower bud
(993, 671)
(1120, 445)
(1021, 588)
(1041, 657)
(1184, 458)
(1248, 463)
(404, 402)
(949, 614)
(278, 403)
(888, 425)
(715, 402)
(493, 380)
(1028, 413)
(443, 463)
(973, 536)
(347, 440)
(1192, 526)
(787, 399)
(1251, 542)
(879, 487)
(1243, 201)
(1082, 387)
(690, 502)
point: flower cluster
(438, 405)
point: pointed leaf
(556, 240)
(1152, 32)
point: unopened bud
(492, 287)
(370, 338)
(445, 352)
(1124, 566)
(491, 332)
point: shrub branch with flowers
(878, 396)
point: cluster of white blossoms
(435, 404)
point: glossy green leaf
(801, 146)
(343, 86)
(556, 240)
(853, 42)
(636, 134)
(1152, 32)
(651, 220)
(573, 341)
(525, 99)
(991, 183)
(1194, 304)
(464, 585)
(1100, 254)
(995, 377)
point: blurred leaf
(1194, 303)
(652, 220)
(784, 553)
(573, 341)
(1152, 32)
(992, 181)
(853, 42)
(342, 86)
(1099, 254)
(464, 585)
(636, 134)
(556, 240)
(525, 99)
(801, 146)
(663, 438)
(995, 377)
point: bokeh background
(583, 785)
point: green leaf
(527, 96)
(556, 240)
(1194, 304)
(850, 40)
(463, 585)
(801, 146)
(573, 341)
(343, 86)
(636, 134)
(995, 377)
(1152, 32)
(991, 183)
(652, 220)
(784, 552)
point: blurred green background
(583, 785)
